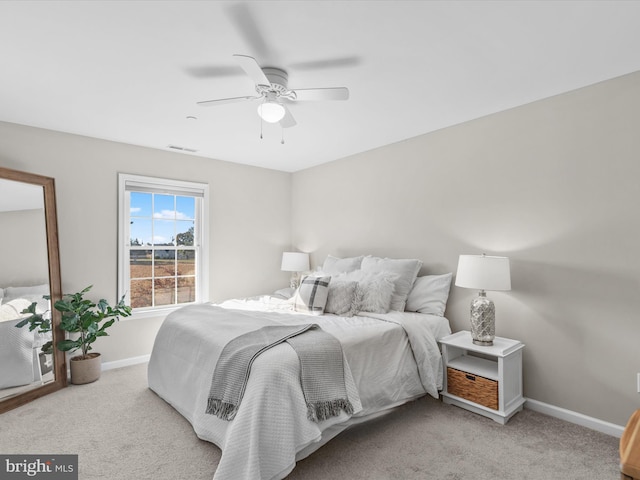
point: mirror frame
(55, 288)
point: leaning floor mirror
(30, 366)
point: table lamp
(294, 262)
(483, 272)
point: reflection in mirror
(29, 270)
(24, 278)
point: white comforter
(389, 359)
(19, 347)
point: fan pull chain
(260, 128)
(282, 130)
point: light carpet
(121, 430)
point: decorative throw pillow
(406, 270)
(429, 294)
(334, 265)
(311, 295)
(342, 298)
(374, 291)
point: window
(162, 242)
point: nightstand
(484, 380)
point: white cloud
(160, 239)
(170, 215)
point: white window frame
(128, 182)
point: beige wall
(249, 215)
(554, 186)
(23, 248)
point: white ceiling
(133, 71)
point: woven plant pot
(85, 370)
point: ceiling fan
(271, 87)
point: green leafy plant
(87, 319)
(38, 321)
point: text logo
(49, 467)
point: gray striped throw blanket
(321, 370)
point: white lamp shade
(483, 272)
(271, 112)
(295, 262)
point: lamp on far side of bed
(295, 262)
(483, 272)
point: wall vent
(182, 149)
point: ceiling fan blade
(251, 68)
(213, 71)
(245, 22)
(312, 94)
(287, 121)
(350, 61)
(222, 101)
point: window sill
(152, 312)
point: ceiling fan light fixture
(271, 112)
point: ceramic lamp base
(294, 281)
(483, 320)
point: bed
(390, 357)
(21, 359)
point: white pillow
(343, 298)
(11, 293)
(8, 312)
(21, 304)
(375, 290)
(285, 293)
(406, 270)
(311, 295)
(42, 304)
(334, 265)
(429, 294)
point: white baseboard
(125, 362)
(575, 417)
(535, 405)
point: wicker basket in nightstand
(483, 391)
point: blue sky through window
(158, 219)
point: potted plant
(87, 321)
